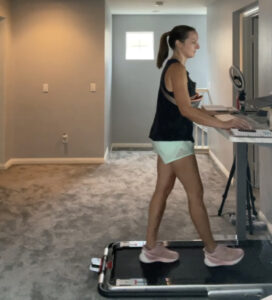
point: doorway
(250, 70)
(245, 56)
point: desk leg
(241, 190)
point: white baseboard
(131, 145)
(219, 164)
(6, 165)
(106, 155)
(201, 150)
(2, 167)
(95, 160)
(53, 161)
(264, 219)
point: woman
(172, 140)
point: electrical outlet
(65, 138)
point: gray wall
(108, 77)
(265, 88)
(135, 83)
(60, 43)
(219, 29)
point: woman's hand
(197, 96)
(237, 123)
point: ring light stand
(238, 82)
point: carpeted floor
(54, 218)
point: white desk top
(264, 141)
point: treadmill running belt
(190, 269)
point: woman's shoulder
(178, 69)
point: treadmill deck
(122, 274)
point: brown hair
(180, 33)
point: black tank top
(169, 124)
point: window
(140, 45)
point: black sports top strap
(170, 95)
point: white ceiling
(148, 7)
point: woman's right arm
(178, 77)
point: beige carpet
(54, 218)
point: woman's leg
(186, 170)
(165, 183)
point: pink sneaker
(158, 254)
(223, 256)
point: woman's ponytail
(163, 50)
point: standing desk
(240, 146)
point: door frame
(241, 20)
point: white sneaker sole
(144, 259)
(225, 263)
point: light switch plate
(45, 88)
(92, 87)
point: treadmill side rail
(238, 294)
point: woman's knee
(165, 189)
(196, 193)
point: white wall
(219, 29)
(108, 77)
(4, 62)
(60, 43)
(2, 96)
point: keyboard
(258, 133)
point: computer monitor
(261, 102)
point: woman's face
(190, 45)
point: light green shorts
(173, 150)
